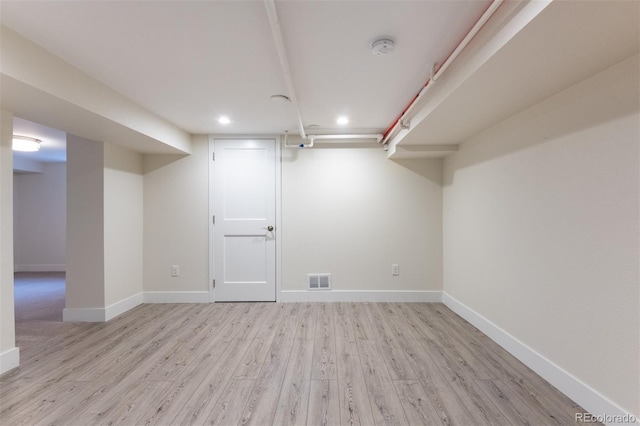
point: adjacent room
(39, 234)
(320, 212)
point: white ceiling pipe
(313, 138)
(276, 31)
(406, 112)
(465, 41)
(274, 22)
(298, 145)
(376, 136)
(474, 30)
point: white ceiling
(192, 61)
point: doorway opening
(39, 229)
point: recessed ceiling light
(224, 120)
(26, 144)
(342, 120)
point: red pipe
(386, 133)
(404, 110)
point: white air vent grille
(319, 281)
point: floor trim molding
(422, 296)
(9, 360)
(101, 314)
(587, 397)
(122, 306)
(175, 297)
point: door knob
(269, 228)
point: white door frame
(212, 272)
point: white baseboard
(101, 314)
(118, 308)
(360, 296)
(123, 306)
(587, 397)
(9, 360)
(175, 297)
(40, 268)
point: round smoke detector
(383, 46)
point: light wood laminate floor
(280, 364)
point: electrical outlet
(395, 270)
(175, 270)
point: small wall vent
(319, 281)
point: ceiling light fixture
(382, 46)
(224, 120)
(26, 144)
(342, 120)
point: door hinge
(214, 283)
(214, 219)
(213, 156)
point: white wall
(353, 213)
(39, 222)
(9, 354)
(350, 212)
(123, 212)
(105, 230)
(176, 220)
(541, 232)
(85, 225)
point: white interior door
(244, 234)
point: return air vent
(319, 281)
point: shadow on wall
(606, 96)
(153, 162)
(428, 168)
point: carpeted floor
(39, 301)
